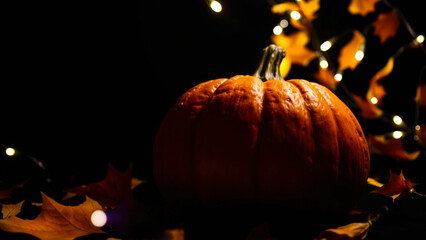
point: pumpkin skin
(244, 140)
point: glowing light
(338, 77)
(99, 218)
(295, 15)
(10, 151)
(277, 30)
(284, 23)
(216, 6)
(324, 64)
(374, 100)
(397, 134)
(359, 55)
(397, 120)
(417, 127)
(420, 39)
(325, 46)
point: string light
(10, 151)
(338, 77)
(99, 218)
(374, 100)
(284, 23)
(420, 39)
(277, 30)
(325, 46)
(323, 64)
(216, 6)
(397, 120)
(295, 15)
(397, 134)
(417, 127)
(359, 55)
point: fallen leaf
(362, 7)
(9, 210)
(391, 147)
(326, 77)
(396, 186)
(386, 26)
(295, 47)
(352, 231)
(111, 191)
(376, 89)
(347, 54)
(56, 221)
(368, 110)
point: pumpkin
(260, 139)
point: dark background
(88, 82)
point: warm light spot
(338, 77)
(397, 134)
(324, 64)
(359, 55)
(277, 30)
(325, 46)
(284, 23)
(397, 120)
(295, 15)
(99, 218)
(10, 151)
(216, 6)
(374, 100)
(420, 39)
(417, 127)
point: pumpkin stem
(269, 66)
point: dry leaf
(347, 54)
(56, 221)
(368, 110)
(397, 186)
(174, 234)
(284, 7)
(386, 26)
(295, 47)
(375, 89)
(306, 8)
(362, 7)
(111, 191)
(421, 95)
(9, 210)
(391, 147)
(352, 231)
(326, 78)
(6, 192)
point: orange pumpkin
(260, 139)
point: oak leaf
(396, 186)
(348, 52)
(56, 221)
(9, 210)
(376, 89)
(295, 47)
(386, 26)
(352, 231)
(362, 7)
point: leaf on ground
(386, 26)
(352, 231)
(362, 7)
(6, 192)
(295, 47)
(376, 89)
(391, 147)
(368, 110)
(56, 221)
(397, 186)
(347, 53)
(326, 78)
(9, 210)
(115, 188)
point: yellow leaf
(362, 7)
(56, 221)
(309, 8)
(284, 7)
(285, 67)
(375, 89)
(352, 231)
(9, 210)
(295, 47)
(347, 57)
(386, 26)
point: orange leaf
(9, 210)
(421, 95)
(386, 26)
(362, 7)
(396, 186)
(375, 89)
(6, 192)
(56, 221)
(326, 78)
(348, 52)
(309, 8)
(391, 147)
(352, 231)
(368, 110)
(284, 7)
(174, 234)
(295, 47)
(111, 191)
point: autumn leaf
(362, 7)
(112, 190)
(6, 192)
(9, 210)
(396, 186)
(326, 77)
(347, 55)
(56, 221)
(307, 9)
(375, 89)
(391, 147)
(295, 47)
(285, 67)
(386, 26)
(352, 231)
(421, 95)
(368, 110)
(174, 234)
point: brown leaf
(306, 8)
(347, 54)
(111, 191)
(386, 26)
(6, 192)
(9, 210)
(375, 89)
(368, 110)
(174, 234)
(352, 231)
(391, 147)
(326, 77)
(421, 95)
(362, 7)
(396, 186)
(56, 221)
(295, 47)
